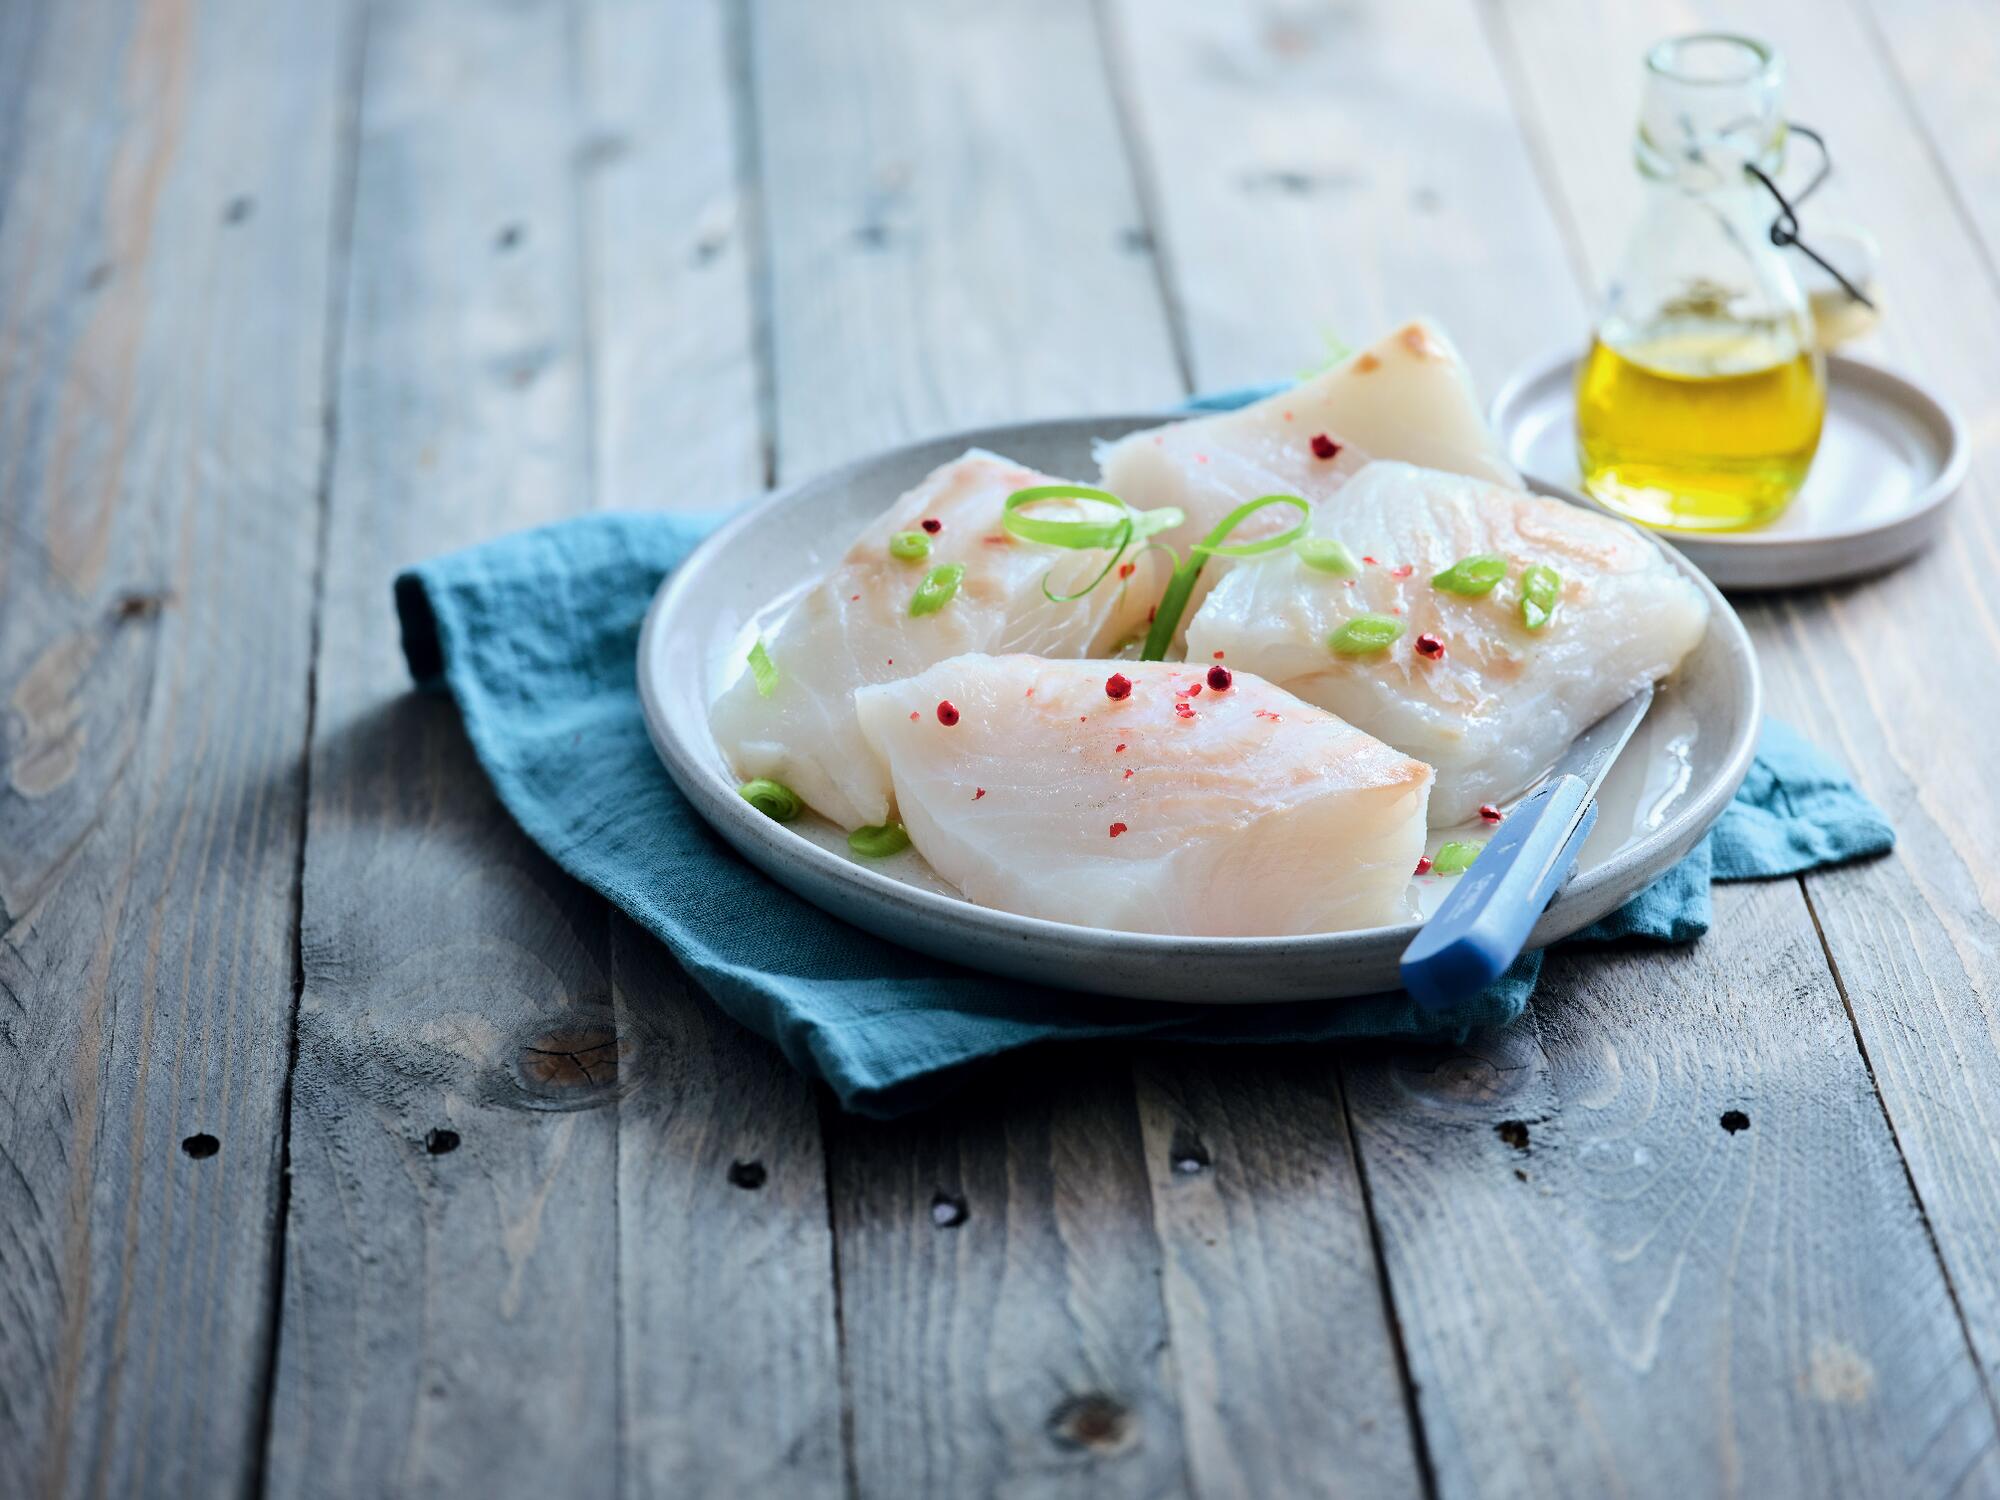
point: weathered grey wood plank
(726, 1301)
(999, 1298)
(21, 30)
(450, 1317)
(1442, 136)
(668, 233)
(1671, 1249)
(953, 233)
(1288, 1377)
(960, 248)
(161, 384)
(1326, 170)
(1897, 675)
(1945, 54)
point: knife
(1484, 923)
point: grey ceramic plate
(1682, 768)
(1890, 456)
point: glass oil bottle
(1700, 402)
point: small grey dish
(1684, 766)
(1890, 457)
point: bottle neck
(1717, 166)
(1713, 105)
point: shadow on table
(441, 943)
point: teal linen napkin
(536, 638)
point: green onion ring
(1324, 554)
(1365, 634)
(773, 799)
(1472, 576)
(1541, 587)
(937, 589)
(1456, 857)
(879, 841)
(763, 670)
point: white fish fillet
(1498, 707)
(1407, 396)
(854, 627)
(1239, 813)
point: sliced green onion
(773, 799)
(1110, 561)
(880, 841)
(935, 592)
(909, 545)
(1472, 576)
(1455, 858)
(1336, 353)
(1212, 544)
(1364, 634)
(764, 670)
(1324, 555)
(1074, 533)
(1540, 587)
(1126, 528)
(1180, 588)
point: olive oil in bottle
(1699, 429)
(1700, 401)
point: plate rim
(716, 800)
(1939, 412)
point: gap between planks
(340, 247)
(1896, 1138)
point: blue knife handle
(1484, 923)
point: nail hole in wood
(1187, 1154)
(238, 210)
(201, 1146)
(748, 1175)
(1093, 1421)
(508, 237)
(1514, 1133)
(140, 606)
(99, 277)
(948, 1210)
(1734, 1120)
(439, 1142)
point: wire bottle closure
(1785, 228)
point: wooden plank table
(347, 1148)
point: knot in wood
(1463, 1079)
(571, 1067)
